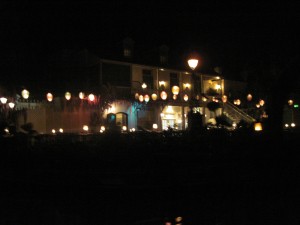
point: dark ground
(214, 178)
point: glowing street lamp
(49, 97)
(68, 95)
(193, 63)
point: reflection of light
(85, 127)
(61, 130)
(112, 109)
(155, 126)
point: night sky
(231, 35)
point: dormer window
(127, 53)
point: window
(148, 78)
(174, 79)
(115, 74)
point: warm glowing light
(154, 126)
(174, 97)
(3, 100)
(91, 97)
(261, 102)
(257, 105)
(162, 83)
(218, 86)
(53, 131)
(136, 96)
(6, 130)
(81, 95)
(102, 128)
(141, 98)
(146, 98)
(258, 127)
(49, 97)
(185, 97)
(286, 125)
(293, 124)
(133, 129)
(186, 86)
(124, 128)
(237, 102)
(11, 105)
(154, 97)
(290, 102)
(204, 99)
(25, 94)
(61, 130)
(85, 127)
(169, 109)
(178, 219)
(249, 97)
(68, 95)
(175, 90)
(193, 63)
(163, 95)
(224, 98)
(144, 85)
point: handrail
(239, 111)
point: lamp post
(194, 118)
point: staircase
(235, 114)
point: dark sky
(230, 35)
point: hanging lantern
(186, 97)
(261, 102)
(3, 100)
(163, 95)
(11, 105)
(91, 97)
(81, 95)
(68, 95)
(249, 97)
(25, 94)
(154, 97)
(49, 97)
(224, 98)
(175, 90)
(146, 98)
(141, 98)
